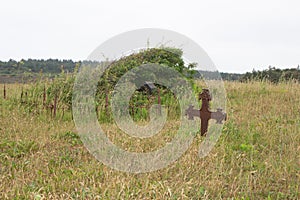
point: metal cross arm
(204, 113)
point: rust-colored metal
(204, 113)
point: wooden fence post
(132, 111)
(55, 105)
(106, 101)
(22, 93)
(159, 101)
(44, 96)
(4, 92)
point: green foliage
(17, 149)
(71, 137)
(53, 66)
(32, 70)
(163, 56)
(273, 75)
(60, 87)
(142, 100)
(246, 147)
(256, 157)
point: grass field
(256, 157)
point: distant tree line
(51, 66)
(215, 75)
(273, 75)
(12, 71)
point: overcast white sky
(237, 35)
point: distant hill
(273, 75)
(28, 70)
(214, 75)
(36, 66)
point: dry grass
(257, 156)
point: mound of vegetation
(170, 57)
(57, 92)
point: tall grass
(54, 97)
(256, 157)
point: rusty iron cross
(204, 113)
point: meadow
(256, 157)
